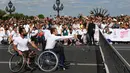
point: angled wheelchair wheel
(48, 61)
(16, 63)
(11, 50)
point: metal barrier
(116, 63)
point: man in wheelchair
(51, 44)
(20, 45)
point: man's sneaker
(65, 43)
(64, 68)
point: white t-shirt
(21, 43)
(74, 32)
(79, 32)
(103, 26)
(76, 26)
(14, 34)
(2, 31)
(34, 32)
(26, 27)
(59, 28)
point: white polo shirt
(21, 43)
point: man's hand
(20, 53)
(38, 49)
(35, 46)
(75, 36)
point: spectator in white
(14, 33)
(83, 33)
(76, 25)
(72, 33)
(65, 32)
(107, 31)
(59, 29)
(103, 25)
(26, 26)
(34, 33)
(79, 35)
(2, 32)
(115, 24)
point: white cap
(114, 19)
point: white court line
(73, 64)
(3, 48)
(4, 62)
(104, 61)
(124, 49)
(120, 47)
(85, 64)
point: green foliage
(5, 16)
(31, 17)
(2, 13)
(41, 16)
(99, 12)
(18, 15)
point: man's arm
(15, 43)
(65, 37)
(33, 45)
(15, 48)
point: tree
(99, 12)
(2, 13)
(18, 15)
(40, 16)
(31, 17)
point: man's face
(56, 32)
(15, 29)
(24, 32)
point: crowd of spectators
(66, 25)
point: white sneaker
(65, 43)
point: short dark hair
(21, 30)
(52, 30)
(14, 27)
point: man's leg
(93, 39)
(60, 50)
(43, 45)
(90, 39)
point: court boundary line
(104, 61)
(123, 49)
(72, 64)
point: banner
(118, 35)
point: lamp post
(58, 8)
(10, 8)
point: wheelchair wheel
(48, 61)
(11, 50)
(16, 63)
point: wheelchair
(18, 62)
(48, 61)
(10, 49)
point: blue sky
(71, 7)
